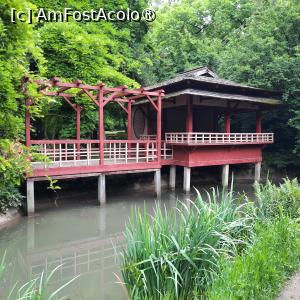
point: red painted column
(101, 125)
(189, 115)
(129, 121)
(78, 130)
(158, 131)
(258, 122)
(227, 125)
(148, 120)
(27, 122)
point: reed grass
(276, 200)
(172, 254)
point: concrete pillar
(101, 189)
(172, 178)
(186, 179)
(225, 175)
(30, 196)
(157, 183)
(257, 170)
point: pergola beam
(139, 93)
(70, 103)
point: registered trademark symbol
(149, 15)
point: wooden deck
(77, 157)
(70, 156)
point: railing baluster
(74, 154)
(60, 155)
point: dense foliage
(13, 166)
(171, 255)
(252, 42)
(197, 252)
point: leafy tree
(18, 51)
(252, 42)
(265, 53)
(93, 52)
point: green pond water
(84, 238)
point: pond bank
(12, 216)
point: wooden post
(78, 130)
(227, 123)
(225, 175)
(101, 125)
(189, 115)
(258, 122)
(257, 170)
(30, 197)
(129, 122)
(129, 127)
(186, 179)
(172, 178)
(158, 131)
(101, 189)
(27, 122)
(157, 183)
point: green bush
(261, 271)
(14, 165)
(171, 253)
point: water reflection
(84, 239)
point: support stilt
(172, 178)
(257, 170)
(101, 189)
(225, 175)
(30, 197)
(187, 180)
(157, 183)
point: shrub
(261, 271)
(14, 165)
(171, 253)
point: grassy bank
(196, 251)
(262, 270)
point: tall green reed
(170, 253)
(276, 200)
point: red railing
(200, 138)
(69, 153)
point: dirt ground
(292, 289)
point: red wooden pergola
(101, 96)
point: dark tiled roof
(204, 79)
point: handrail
(62, 153)
(218, 138)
